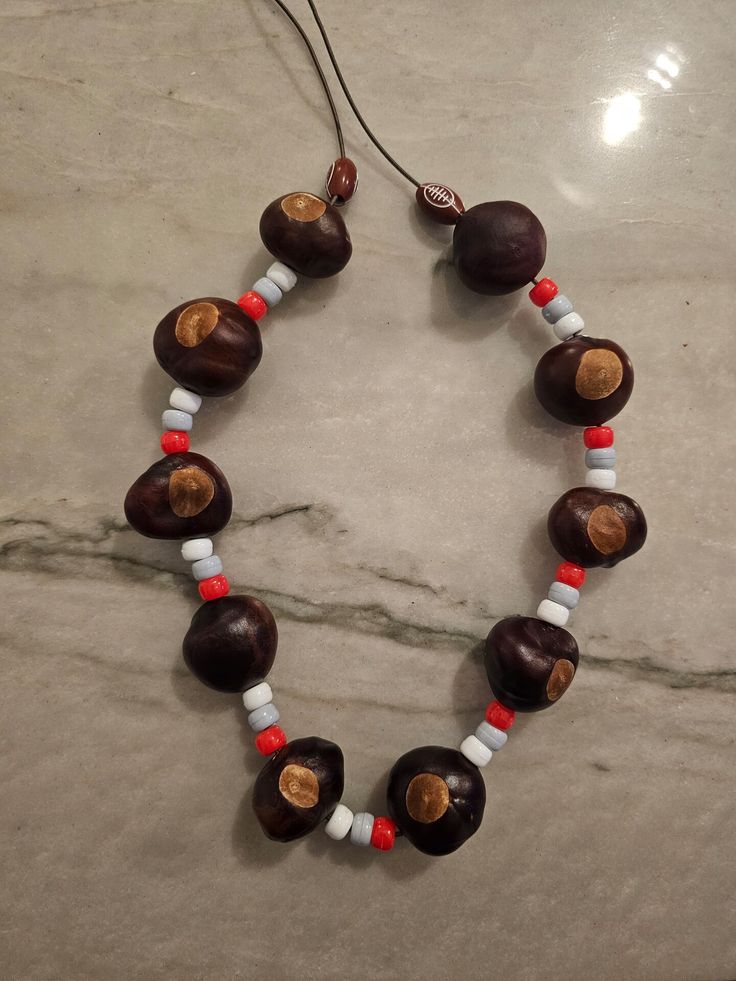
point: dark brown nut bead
(440, 203)
(341, 181)
(498, 247)
(209, 346)
(231, 643)
(307, 234)
(299, 786)
(530, 663)
(592, 527)
(184, 495)
(436, 797)
(584, 381)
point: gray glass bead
(263, 717)
(362, 829)
(558, 307)
(490, 736)
(176, 419)
(600, 459)
(268, 290)
(567, 596)
(206, 568)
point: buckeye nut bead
(498, 247)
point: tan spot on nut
(427, 798)
(195, 323)
(599, 374)
(606, 530)
(559, 680)
(190, 491)
(303, 206)
(299, 785)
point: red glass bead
(570, 574)
(500, 716)
(271, 739)
(383, 834)
(253, 304)
(174, 441)
(214, 587)
(542, 292)
(596, 437)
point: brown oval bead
(341, 181)
(584, 381)
(231, 643)
(209, 346)
(498, 247)
(436, 797)
(300, 785)
(530, 663)
(184, 495)
(440, 203)
(593, 527)
(307, 234)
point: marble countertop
(391, 472)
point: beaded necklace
(210, 346)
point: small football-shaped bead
(210, 346)
(307, 234)
(440, 203)
(436, 797)
(298, 787)
(183, 495)
(593, 527)
(342, 180)
(498, 247)
(231, 643)
(584, 381)
(530, 663)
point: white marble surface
(391, 472)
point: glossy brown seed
(307, 234)
(592, 527)
(436, 797)
(183, 495)
(209, 346)
(584, 381)
(530, 663)
(498, 247)
(341, 181)
(289, 802)
(231, 643)
(440, 203)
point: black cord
(351, 101)
(318, 67)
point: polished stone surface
(391, 473)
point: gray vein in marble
(46, 546)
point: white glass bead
(207, 568)
(174, 419)
(256, 696)
(180, 398)
(284, 277)
(474, 750)
(263, 717)
(340, 823)
(362, 829)
(602, 479)
(491, 737)
(568, 326)
(554, 613)
(560, 592)
(196, 548)
(600, 459)
(268, 290)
